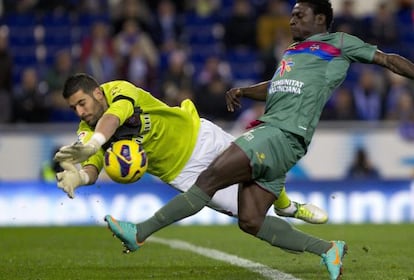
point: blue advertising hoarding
(24, 203)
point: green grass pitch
(381, 252)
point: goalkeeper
(179, 144)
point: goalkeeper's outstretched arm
(78, 152)
(92, 172)
(71, 178)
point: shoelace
(302, 212)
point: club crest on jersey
(314, 47)
(81, 136)
(285, 66)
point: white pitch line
(267, 272)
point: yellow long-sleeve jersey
(168, 134)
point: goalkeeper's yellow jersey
(168, 134)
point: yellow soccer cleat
(306, 212)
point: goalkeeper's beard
(94, 117)
(92, 121)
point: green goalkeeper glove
(71, 178)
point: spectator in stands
(167, 27)
(346, 19)
(382, 27)
(213, 67)
(49, 5)
(396, 87)
(6, 62)
(6, 78)
(176, 79)
(19, 7)
(184, 93)
(341, 106)
(164, 22)
(179, 96)
(405, 9)
(125, 10)
(32, 105)
(403, 110)
(210, 100)
(62, 67)
(205, 8)
(100, 33)
(240, 27)
(6, 107)
(273, 24)
(141, 71)
(100, 63)
(368, 97)
(400, 107)
(179, 5)
(361, 167)
(132, 39)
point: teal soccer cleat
(333, 259)
(125, 231)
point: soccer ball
(125, 161)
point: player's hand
(233, 99)
(76, 152)
(69, 179)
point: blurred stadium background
(198, 49)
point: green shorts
(272, 153)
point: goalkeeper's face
(88, 107)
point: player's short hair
(79, 81)
(321, 7)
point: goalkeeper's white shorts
(211, 141)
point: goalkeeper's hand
(71, 178)
(77, 152)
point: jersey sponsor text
(287, 86)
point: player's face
(303, 22)
(88, 107)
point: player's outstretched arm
(71, 178)
(255, 92)
(107, 125)
(80, 152)
(395, 63)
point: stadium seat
(245, 65)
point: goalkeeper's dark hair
(323, 7)
(79, 81)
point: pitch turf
(381, 252)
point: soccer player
(314, 65)
(179, 144)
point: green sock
(181, 206)
(281, 234)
